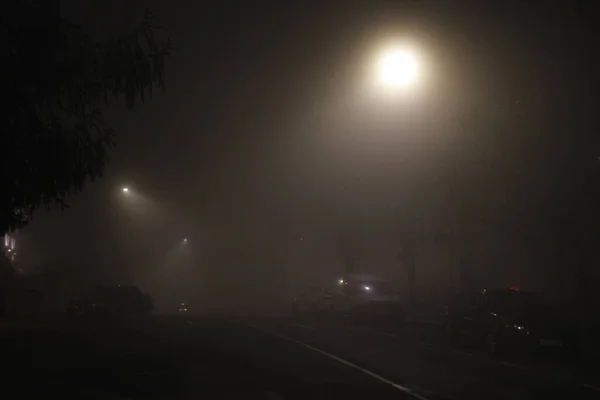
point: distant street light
(125, 189)
(185, 241)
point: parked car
(506, 321)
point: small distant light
(183, 304)
(125, 189)
(341, 281)
(368, 288)
(185, 240)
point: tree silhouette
(56, 80)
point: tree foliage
(56, 79)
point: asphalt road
(414, 357)
(212, 358)
(174, 358)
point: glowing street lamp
(125, 189)
(397, 67)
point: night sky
(266, 132)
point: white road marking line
(305, 327)
(342, 361)
(588, 386)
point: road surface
(174, 358)
(282, 359)
(414, 356)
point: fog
(272, 154)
